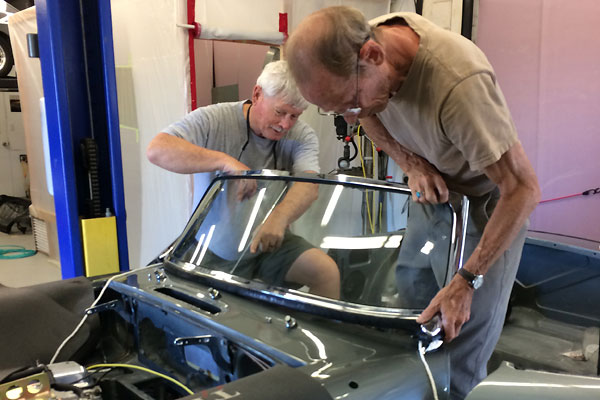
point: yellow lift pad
(100, 246)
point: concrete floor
(26, 271)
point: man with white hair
(263, 132)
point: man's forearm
(405, 159)
(506, 221)
(424, 179)
(519, 195)
(180, 156)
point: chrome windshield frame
(458, 204)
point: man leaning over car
(430, 99)
(263, 132)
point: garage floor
(26, 271)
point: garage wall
(152, 68)
(547, 59)
(241, 63)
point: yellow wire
(373, 152)
(96, 366)
(362, 164)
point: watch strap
(468, 276)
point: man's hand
(245, 187)
(231, 165)
(269, 235)
(424, 181)
(453, 302)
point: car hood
(349, 359)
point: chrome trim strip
(455, 240)
(464, 218)
(307, 298)
(319, 178)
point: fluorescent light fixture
(259, 199)
(393, 242)
(427, 247)
(206, 242)
(4, 20)
(6, 10)
(353, 243)
(320, 346)
(198, 247)
(319, 374)
(189, 267)
(333, 202)
(224, 276)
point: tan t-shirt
(450, 109)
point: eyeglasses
(350, 112)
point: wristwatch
(475, 281)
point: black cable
(63, 387)
(247, 132)
(97, 381)
(273, 149)
(355, 150)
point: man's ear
(372, 52)
(256, 94)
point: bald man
(430, 99)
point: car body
(225, 333)
(360, 346)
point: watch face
(477, 281)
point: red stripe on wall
(191, 14)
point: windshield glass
(359, 243)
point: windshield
(349, 240)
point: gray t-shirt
(450, 109)
(222, 127)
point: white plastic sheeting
(300, 9)
(29, 77)
(240, 20)
(152, 65)
(259, 20)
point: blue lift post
(78, 77)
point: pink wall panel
(239, 63)
(547, 58)
(516, 59)
(203, 50)
(234, 63)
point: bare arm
(519, 195)
(296, 201)
(178, 155)
(422, 176)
